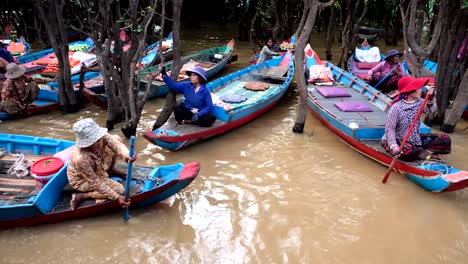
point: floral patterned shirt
(18, 84)
(88, 167)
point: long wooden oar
(129, 176)
(385, 77)
(408, 133)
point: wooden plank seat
(14, 190)
(274, 73)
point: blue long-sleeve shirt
(6, 55)
(200, 100)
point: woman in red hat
(401, 115)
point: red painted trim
(383, 158)
(150, 136)
(370, 152)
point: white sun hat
(14, 71)
(87, 132)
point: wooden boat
(46, 101)
(278, 72)
(358, 68)
(370, 30)
(212, 60)
(151, 56)
(95, 92)
(363, 130)
(283, 46)
(37, 61)
(23, 203)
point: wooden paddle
(129, 176)
(386, 76)
(408, 133)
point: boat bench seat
(376, 118)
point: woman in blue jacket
(197, 106)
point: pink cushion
(353, 106)
(331, 92)
(366, 65)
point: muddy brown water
(264, 195)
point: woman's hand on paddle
(395, 151)
(430, 91)
(129, 159)
(122, 202)
(194, 110)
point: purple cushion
(330, 92)
(353, 106)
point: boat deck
(235, 87)
(186, 129)
(138, 177)
(377, 118)
(14, 190)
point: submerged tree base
(69, 109)
(298, 127)
(447, 128)
(128, 131)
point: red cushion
(366, 65)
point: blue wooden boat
(360, 69)
(31, 67)
(278, 72)
(22, 203)
(363, 130)
(151, 52)
(212, 60)
(46, 101)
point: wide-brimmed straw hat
(198, 70)
(14, 71)
(87, 132)
(392, 53)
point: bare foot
(76, 200)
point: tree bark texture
(51, 13)
(176, 65)
(451, 70)
(411, 33)
(311, 8)
(330, 33)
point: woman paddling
(400, 116)
(198, 105)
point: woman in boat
(401, 115)
(93, 159)
(198, 104)
(18, 90)
(5, 57)
(267, 53)
(390, 65)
